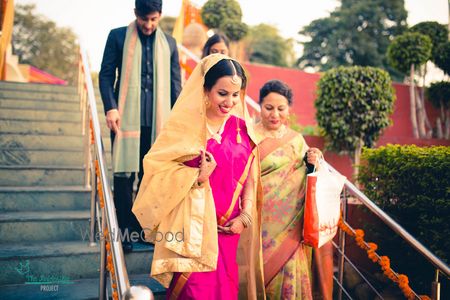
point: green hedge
(412, 185)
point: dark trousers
(123, 187)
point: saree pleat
(287, 262)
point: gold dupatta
(168, 203)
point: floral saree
(287, 262)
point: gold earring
(207, 103)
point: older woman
(200, 185)
(285, 157)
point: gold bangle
(246, 218)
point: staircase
(44, 205)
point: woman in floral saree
(287, 262)
(201, 185)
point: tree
(442, 59)
(264, 44)
(406, 52)
(439, 95)
(357, 33)
(438, 34)
(39, 42)
(225, 16)
(353, 107)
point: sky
(92, 20)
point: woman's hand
(207, 166)
(313, 155)
(235, 226)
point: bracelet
(246, 219)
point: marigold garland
(109, 262)
(110, 268)
(99, 185)
(400, 279)
(91, 132)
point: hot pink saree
(233, 162)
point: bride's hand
(207, 166)
(235, 226)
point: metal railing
(112, 260)
(351, 189)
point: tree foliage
(412, 185)
(225, 16)
(40, 42)
(353, 107)
(264, 44)
(357, 33)
(439, 94)
(409, 49)
(235, 30)
(438, 34)
(442, 59)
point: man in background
(139, 82)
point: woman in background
(285, 158)
(218, 43)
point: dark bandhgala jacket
(109, 76)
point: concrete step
(40, 128)
(41, 157)
(50, 142)
(54, 158)
(42, 87)
(39, 105)
(39, 95)
(61, 261)
(51, 105)
(44, 198)
(50, 127)
(82, 289)
(40, 176)
(39, 226)
(39, 142)
(39, 115)
(37, 87)
(64, 261)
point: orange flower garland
(99, 185)
(384, 261)
(109, 262)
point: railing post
(436, 287)
(92, 219)
(87, 150)
(341, 260)
(102, 284)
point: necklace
(218, 134)
(276, 134)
